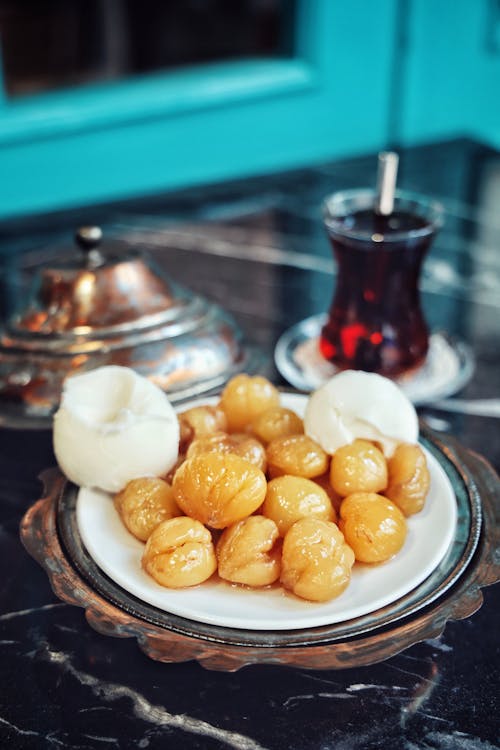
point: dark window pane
(49, 44)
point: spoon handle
(482, 407)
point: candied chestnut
(248, 552)
(373, 526)
(180, 553)
(245, 397)
(409, 478)
(298, 455)
(198, 421)
(144, 503)
(218, 489)
(316, 562)
(290, 498)
(276, 422)
(358, 467)
(242, 445)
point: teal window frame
(154, 133)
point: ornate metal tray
(453, 591)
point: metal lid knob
(88, 240)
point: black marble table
(258, 248)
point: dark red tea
(375, 320)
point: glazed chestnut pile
(257, 500)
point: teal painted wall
(335, 98)
(452, 70)
(162, 132)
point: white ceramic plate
(215, 602)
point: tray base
(173, 639)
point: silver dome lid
(109, 304)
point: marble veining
(142, 708)
(31, 611)
(450, 741)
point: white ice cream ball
(112, 426)
(357, 404)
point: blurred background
(103, 100)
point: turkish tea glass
(375, 321)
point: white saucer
(448, 367)
(215, 602)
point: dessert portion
(409, 478)
(356, 404)
(248, 490)
(373, 527)
(248, 552)
(114, 426)
(218, 489)
(290, 498)
(180, 553)
(144, 503)
(316, 561)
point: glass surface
(48, 44)
(375, 320)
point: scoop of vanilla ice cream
(356, 404)
(112, 426)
